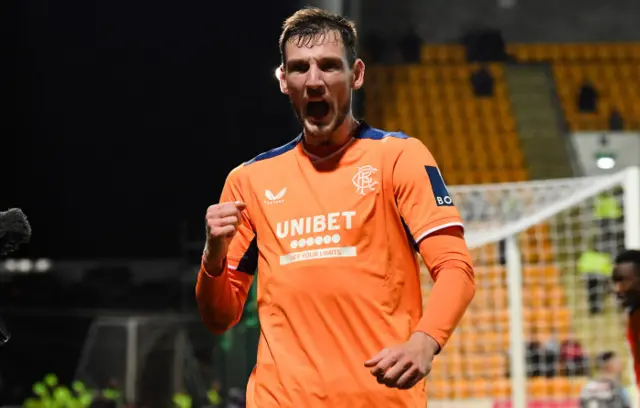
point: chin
(319, 130)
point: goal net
(543, 309)
(149, 358)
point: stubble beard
(321, 133)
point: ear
(282, 78)
(357, 75)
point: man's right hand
(222, 222)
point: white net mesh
(568, 231)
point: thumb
(377, 358)
(240, 205)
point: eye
(298, 67)
(331, 66)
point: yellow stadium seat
(556, 298)
(562, 319)
(552, 273)
(560, 387)
(444, 111)
(475, 140)
(501, 388)
(463, 388)
(534, 274)
(438, 389)
(491, 343)
(612, 69)
(497, 364)
(534, 296)
(538, 387)
(480, 388)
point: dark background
(123, 118)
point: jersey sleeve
(243, 250)
(448, 260)
(421, 193)
(221, 298)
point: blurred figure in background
(605, 390)
(594, 267)
(551, 354)
(587, 98)
(608, 215)
(482, 82)
(533, 355)
(626, 280)
(573, 361)
(616, 121)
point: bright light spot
(11, 265)
(606, 162)
(277, 73)
(25, 265)
(43, 265)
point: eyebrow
(294, 62)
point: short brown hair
(308, 23)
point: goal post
(544, 310)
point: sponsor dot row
(311, 241)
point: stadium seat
(475, 141)
(538, 387)
(501, 388)
(437, 388)
(611, 67)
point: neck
(322, 147)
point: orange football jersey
(333, 241)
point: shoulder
(274, 153)
(393, 141)
(244, 170)
(399, 150)
(370, 133)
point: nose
(315, 82)
(617, 288)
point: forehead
(326, 44)
(624, 270)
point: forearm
(221, 296)
(449, 262)
(452, 293)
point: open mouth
(317, 110)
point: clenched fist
(222, 222)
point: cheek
(340, 90)
(295, 89)
(296, 97)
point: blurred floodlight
(25, 265)
(11, 265)
(606, 162)
(43, 265)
